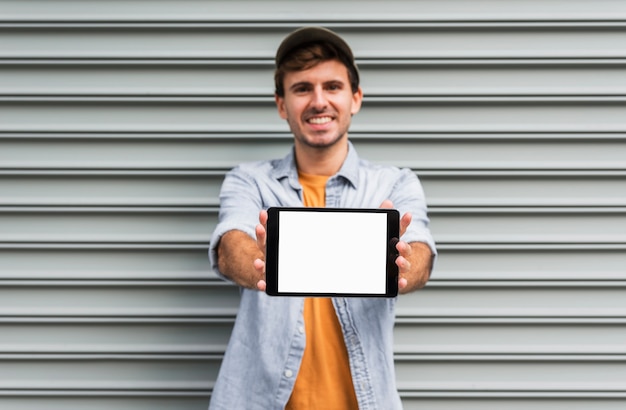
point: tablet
(332, 252)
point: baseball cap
(315, 34)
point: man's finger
(261, 285)
(261, 231)
(259, 266)
(405, 221)
(387, 204)
(263, 217)
(261, 237)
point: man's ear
(280, 105)
(357, 99)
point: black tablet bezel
(272, 250)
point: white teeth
(320, 120)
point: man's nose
(318, 99)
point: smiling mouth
(319, 120)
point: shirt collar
(350, 168)
(286, 168)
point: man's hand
(414, 259)
(241, 258)
(261, 242)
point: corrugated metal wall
(118, 120)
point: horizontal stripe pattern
(119, 120)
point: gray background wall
(118, 120)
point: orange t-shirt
(324, 380)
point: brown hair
(309, 56)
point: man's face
(318, 104)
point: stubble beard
(319, 144)
(310, 141)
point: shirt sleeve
(408, 196)
(240, 203)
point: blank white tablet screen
(332, 252)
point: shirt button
(288, 373)
(301, 329)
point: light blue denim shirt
(261, 363)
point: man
(313, 353)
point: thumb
(387, 204)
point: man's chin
(321, 142)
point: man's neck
(321, 161)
